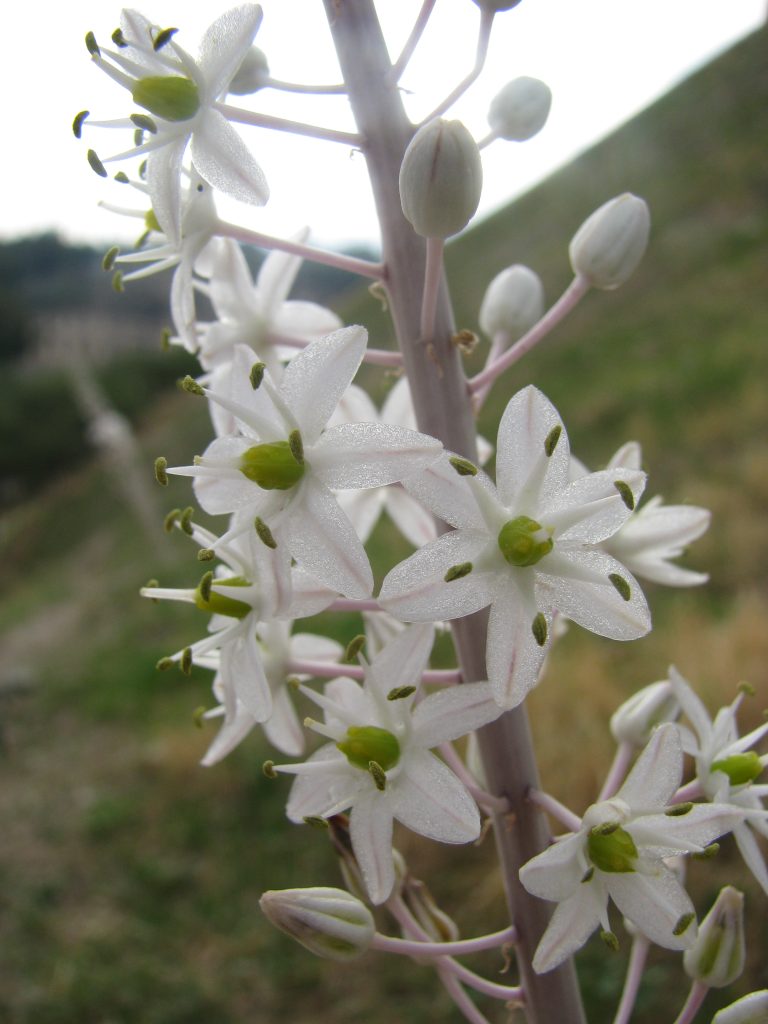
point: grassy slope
(131, 876)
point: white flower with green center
(727, 768)
(177, 97)
(378, 763)
(618, 854)
(286, 460)
(528, 548)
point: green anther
(117, 283)
(588, 875)
(143, 169)
(746, 688)
(186, 661)
(400, 692)
(273, 466)
(296, 445)
(621, 585)
(610, 940)
(138, 137)
(168, 96)
(165, 340)
(293, 681)
(463, 466)
(607, 829)
(521, 543)
(539, 628)
(366, 743)
(625, 492)
(457, 572)
(740, 768)
(96, 164)
(208, 600)
(550, 442)
(164, 664)
(683, 924)
(315, 822)
(152, 583)
(161, 464)
(151, 223)
(353, 648)
(206, 555)
(708, 852)
(119, 39)
(264, 533)
(122, 177)
(91, 45)
(378, 775)
(257, 375)
(79, 121)
(269, 769)
(185, 520)
(614, 852)
(678, 810)
(144, 123)
(198, 715)
(109, 258)
(163, 37)
(190, 384)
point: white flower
(751, 1009)
(727, 768)
(180, 94)
(283, 464)
(378, 763)
(619, 853)
(655, 533)
(528, 549)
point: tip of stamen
(79, 121)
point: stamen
(117, 282)
(91, 45)
(264, 533)
(378, 775)
(206, 555)
(257, 375)
(539, 629)
(119, 39)
(185, 520)
(551, 440)
(626, 494)
(161, 465)
(457, 572)
(400, 692)
(683, 924)
(163, 37)
(109, 258)
(185, 664)
(463, 466)
(96, 164)
(144, 123)
(79, 121)
(190, 384)
(610, 939)
(621, 585)
(354, 647)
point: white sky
(603, 60)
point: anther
(205, 586)
(190, 384)
(625, 491)
(206, 555)
(378, 775)
(170, 520)
(144, 123)
(164, 664)
(96, 164)
(463, 466)
(165, 340)
(198, 716)
(269, 769)
(91, 45)
(185, 664)
(354, 647)
(163, 37)
(611, 941)
(678, 810)
(79, 121)
(297, 446)
(551, 440)
(400, 692)
(257, 375)
(185, 520)
(119, 39)
(539, 628)
(683, 923)
(122, 177)
(621, 585)
(117, 283)
(315, 822)
(264, 533)
(109, 258)
(457, 572)
(161, 464)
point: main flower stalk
(443, 409)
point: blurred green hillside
(132, 876)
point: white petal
(283, 728)
(217, 494)
(311, 647)
(298, 319)
(572, 923)
(440, 489)
(221, 157)
(225, 43)
(277, 275)
(370, 454)
(362, 508)
(414, 522)
(428, 798)
(630, 456)
(231, 285)
(328, 781)
(692, 706)
(354, 406)
(525, 476)
(556, 873)
(452, 713)
(657, 772)
(241, 663)
(513, 655)
(230, 735)
(663, 836)
(402, 660)
(370, 828)
(398, 405)
(654, 903)
(164, 184)
(591, 508)
(753, 857)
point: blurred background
(131, 875)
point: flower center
(273, 466)
(221, 604)
(168, 96)
(611, 849)
(366, 743)
(740, 768)
(523, 541)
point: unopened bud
(329, 922)
(610, 243)
(751, 1009)
(252, 74)
(634, 721)
(717, 955)
(441, 178)
(520, 110)
(513, 302)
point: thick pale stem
(439, 391)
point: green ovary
(615, 852)
(221, 604)
(272, 466)
(740, 768)
(523, 541)
(168, 96)
(366, 743)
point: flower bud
(251, 75)
(513, 302)
(717, 955)
(751, 1009)
(440, 179)
(634, 721)
(609, 245)
(328, 922)
(521, 109)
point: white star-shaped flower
(379, 764)
(618, 854)
(528, 548)
(727, 767)
(180, 94)
(285, 461)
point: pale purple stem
(635, 968)
(281, 124)
(553, 806)
(365, 268)
(691, 791)
(570, 298)
(499, 343)
(413, 39)
(432, 275)
(618, 770)
(318, 90)
(376, 356)
(464, 947)
(696, 997)
(483, 38)
(330, 669)
(352, 604)
(486, 800)
(487, 140)
(460, 998)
